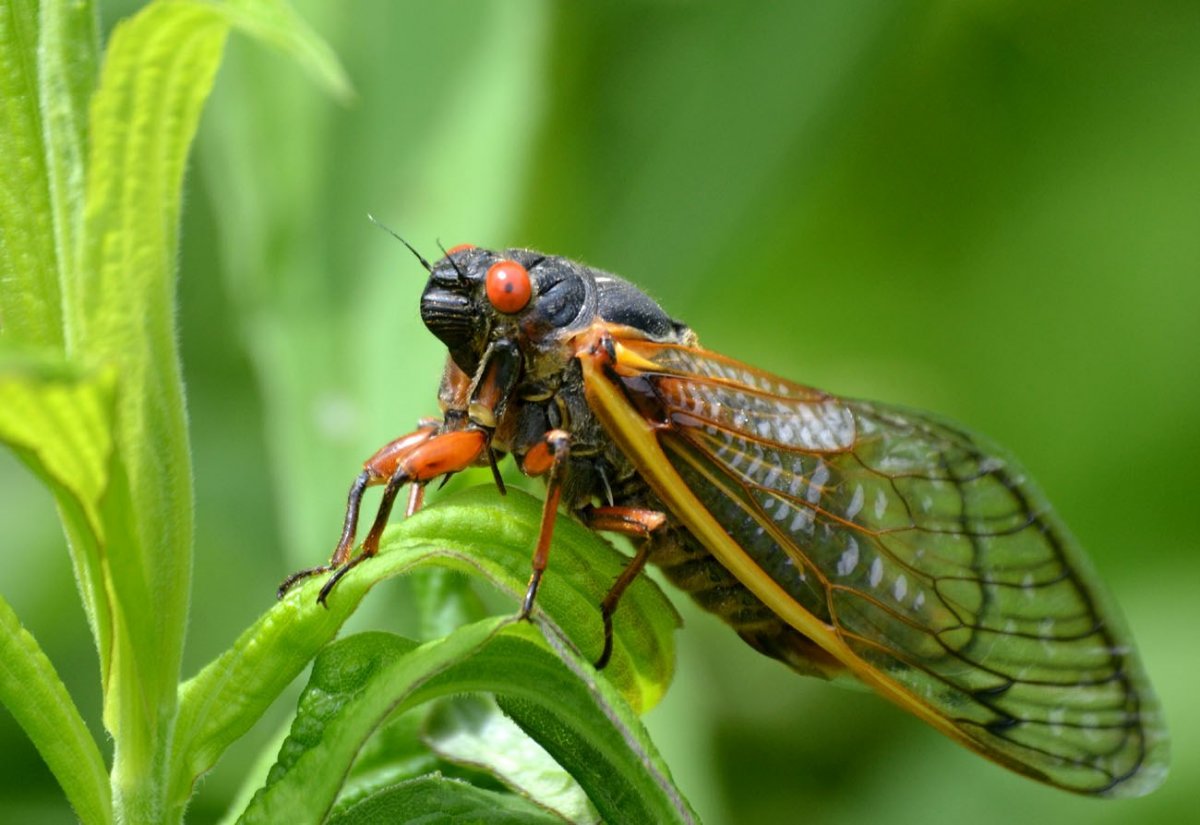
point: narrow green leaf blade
(442, 800)
(358, 682)
(119, 310)
(38, 700)
(473, 731)
(30, 301)
(68, 68)
(58, 421)
(496, 534)
(276, 23)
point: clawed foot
(338, 572)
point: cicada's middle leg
(637, 523)
(415, 458)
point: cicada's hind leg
(634, 522)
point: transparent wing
(926, 551)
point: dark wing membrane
(929, 553)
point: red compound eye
(508, 286)
(462, 247)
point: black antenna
(424, 263)
(462, 275)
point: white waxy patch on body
(1027, 586)
(919, 600)
(827, 439)
(784, 509)
(990, 464)
(1046, 631)
(756, 463)
(856, 502)
(849, 558)
(786, 433)
(900, 588)
(772, 476)
(875, 575)
(803, 521)
(1056, 717)
(769, 504)
(796, 483)
(817, 485)
(880, 503)
(926, 503)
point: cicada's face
(476, 296)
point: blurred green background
(988, 209)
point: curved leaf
(38, 700)
(443, 800)
(473, 731)
(359, 682)
(475, 531)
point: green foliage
(92, 402)
(987, 210)
(358, 682)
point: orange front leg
(416, 458)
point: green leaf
(358, 682)
(58, 421)
(495, 535)
(475, 531)
(38, 700)
(157, 72)
(473, 731)
(68, 67)
(438, 799)
(40, 173)
(275, 23)
(394, 753)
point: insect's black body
(548, 394)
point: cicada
(841, 537)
